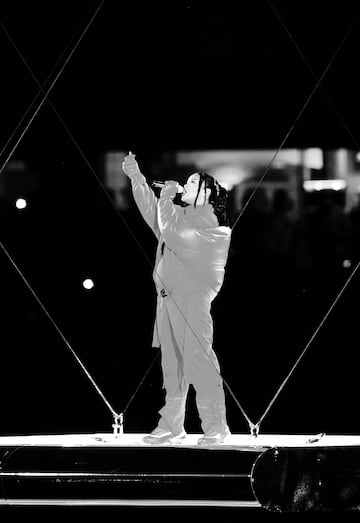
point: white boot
(214, 437)
(160, 435)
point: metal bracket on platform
(254, 430)
(118, 425)
(316, 438)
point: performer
(189, 271)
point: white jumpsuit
(188, 274)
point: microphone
(160, 184)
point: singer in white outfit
(189, 270)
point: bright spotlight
(88, 283)
(20, 203)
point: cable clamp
(254, 430)
(118, 425)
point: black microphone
(160, 184)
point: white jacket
(192, 250)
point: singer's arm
(146, 201)
(178, 233)
(144, 197)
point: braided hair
(218, 196)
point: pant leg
(201, 366)
(172, 362)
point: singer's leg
(172, 361)
(203, 370)
(172, 414)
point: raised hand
(130, 165)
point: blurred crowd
(318, 239)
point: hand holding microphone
(160, 184)
(169, 190)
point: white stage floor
(237, 441)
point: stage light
(319, 185)
(88, 283)
(20, 203)
(115, 178)
(228, 175)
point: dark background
(157, 77)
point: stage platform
(105, 469)
(244, 442)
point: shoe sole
(167, 439)
(212, 441)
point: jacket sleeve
(180, 236)
(146, 202)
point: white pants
(185, 330)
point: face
(191, 189)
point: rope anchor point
(254, 430)
(118, 425)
